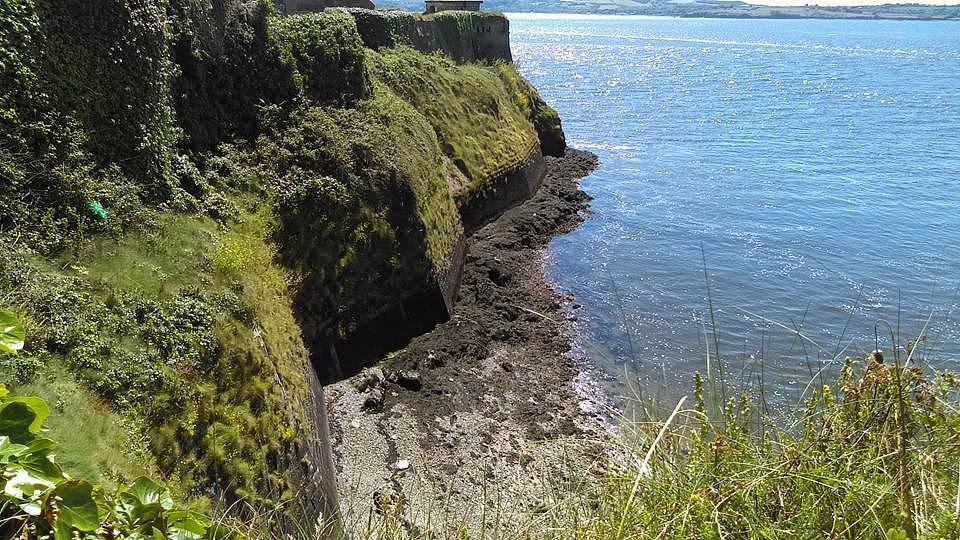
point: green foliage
(228, 67)
(334, 168)
(319, 45)
(84, 110)
(479, 125)
(873, 456)
(106, 63)
(12, 333)
(134, 325)
(240, 57)
(386, 28)
(39, 500)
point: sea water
(802, 176)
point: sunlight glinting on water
(815, 162)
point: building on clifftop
(434, 6)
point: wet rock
(408, 379)
(373, 401)
(368, 378)
(501, 334)
(498, 272)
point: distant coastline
(718, 9)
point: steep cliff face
(206, 219)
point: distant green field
(707, 8)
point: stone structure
(290, 7)
(464, 36)
(434, 6)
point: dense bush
(326, 53)
(235, 59)
(228, 68)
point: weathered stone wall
(513, 186)
(462, 35)
(291, 7)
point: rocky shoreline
(471, 414)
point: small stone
(355, 423)
(368, 378)
(409, 380)
(402, 464)
(501, 334)
(373, 400)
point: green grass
(479, 124)
(873, 454)
(157, 261)
(96, 443)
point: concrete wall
(433, 6)
(500, 193)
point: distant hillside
(708, 8)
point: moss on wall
(544, 117)
(185, 330)
(479, 124)
(364, 208)
(235, 57)
(464, 36)
(265, 180)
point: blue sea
(801, 175)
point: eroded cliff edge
(204, 203)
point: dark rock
(373, 400)
(367, 379)
(409, 380)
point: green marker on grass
(98, 209)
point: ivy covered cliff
(203, 204)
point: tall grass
(871, 451)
